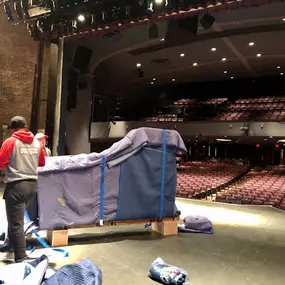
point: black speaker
(153, 31)
(72, 90)
(182, 30)
(82, 58)
(207, 21)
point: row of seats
(215, 101)
(260, 100)
(191, 102)
(257, 106)
(196, 178)
(247, 115)
(164, 118)
(184, 102)
(266, 187)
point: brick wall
(18, 52)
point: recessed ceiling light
(283, 19)
(182, 54)
(225, 71)
(151, 82)
(251, 44)
(154, 79)
(213, 49)
(232, 77)
(278, 67)
(224, 59)
(139, 65)
(173, 79)
(162, 39)
(195, 64)
(258, 55)
(281, 73)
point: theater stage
(248, 247)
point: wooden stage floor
(247, 247)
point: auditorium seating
(266, 108)
(266, 187)
(215, 101)
(184, 102)
(198, 179)
(251, 109)
(164, 118)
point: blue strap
(120, 190)
(102, 189)
(43, 242)
(162, 176)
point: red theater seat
(200, 178)
(266, 187)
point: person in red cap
(20, 155)
(42, 138)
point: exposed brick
(18, 52)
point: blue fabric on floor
(29, 226)
(24, 273)
(196, 224)
(167, 274)
(84, 272)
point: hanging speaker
(82, 58)
(182, 31)
(207, 21)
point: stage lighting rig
(37, 9)
(157, 5)
(8, 11)
(62, 17)
(18, 10)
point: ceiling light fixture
(182, 54)
(158, 2)
(162, 39)
(278, 67)
(195, 64)
(223, 140)
(154, 79)
(283, 19)
(173, 79)
(225, 71)
(251, 44)
(258, 55)
(232, 77)
(139, 65)
(151, 82)
(213, 49)
(281, 73)
(224, 59)
(81, 18)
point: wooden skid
(169, 226)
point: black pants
(17, 195)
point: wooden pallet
(166, 227)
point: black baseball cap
(18, 122)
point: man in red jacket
(20, 155)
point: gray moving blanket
(134, 179)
